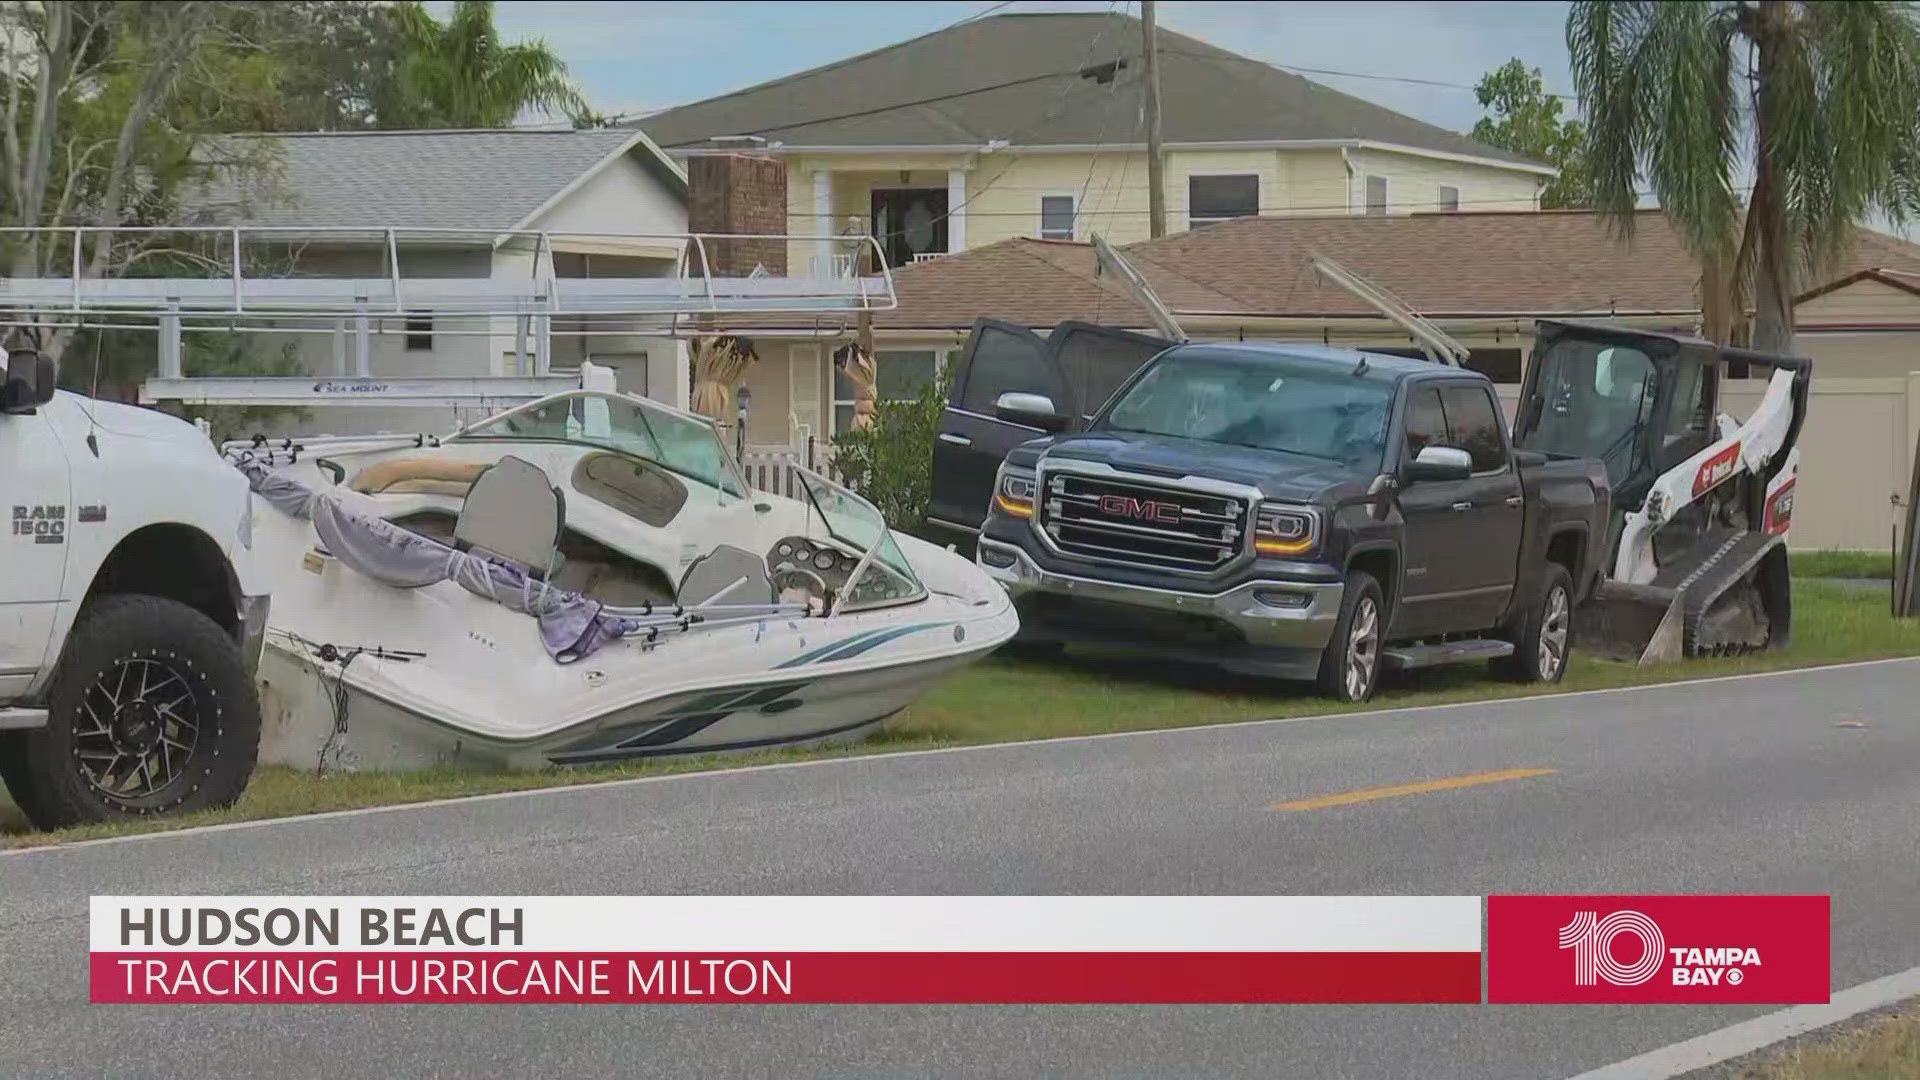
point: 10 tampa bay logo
(1592, 940)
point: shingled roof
(1521, 264)
(1026, 79)
(489, 180)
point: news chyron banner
(837, 949)
(958, 949)
(1756, 950)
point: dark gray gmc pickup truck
(1287, 510)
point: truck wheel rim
(137, 729)
(1363, 650)
(1553, 633)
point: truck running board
(22, 719)
(1403, 657)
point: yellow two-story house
(1034, 125)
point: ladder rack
(272, 280)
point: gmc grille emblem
(1164, 513)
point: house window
(1376, 196)
(1217, 198)
(899, 375)
(1449, 199)
(1056, 217)
(419, 333)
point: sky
(636, 57)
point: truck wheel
(1542, 643)
(1350, 665)
(151, 712)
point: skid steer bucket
(1639, 624)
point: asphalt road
(1808, 782)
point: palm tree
(1822, 100)
(458, 74)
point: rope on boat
(328, 653)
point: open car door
(1076, 368)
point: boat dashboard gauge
(820, 563)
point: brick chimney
(739, 193)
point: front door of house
(910, 221)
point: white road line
(1761, 1032)
(893, 755)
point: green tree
(1523, 118)
(458, 74)
(334, 59)
(1823, 99)
(104, 109)
(890, 462)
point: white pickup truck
(131, 616)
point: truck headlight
(1013, 491)
(1285, 530)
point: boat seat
(727, 575)
(513, 511)
(433, 475)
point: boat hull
(302, 728)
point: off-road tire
(44, 768)
(1360, 604)
(1543, 638)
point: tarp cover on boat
(571, 625)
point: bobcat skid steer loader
(1696, 560)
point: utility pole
(1156, 177)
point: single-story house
(465, 204)
(1483, 277)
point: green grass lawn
(1004, 699)
(1837, 563)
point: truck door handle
(1462, 506)
(1515, 500)
(957, 440)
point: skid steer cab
(131, 616)
(1696, 560)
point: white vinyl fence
(770, 468)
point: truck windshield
(1591, 399)
(1297, 405)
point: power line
(1079, 73)
(1052, 111)
(1347, 74)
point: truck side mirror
(29, 384)
(1029, 410)
(1440, 463)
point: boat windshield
(680, 443)
(884, 577)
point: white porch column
(669, 375)
(956, 210)
(823, 222)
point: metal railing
(220, 275)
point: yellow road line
(1347, 798)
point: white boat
(585, 578)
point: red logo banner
(1658, 949)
